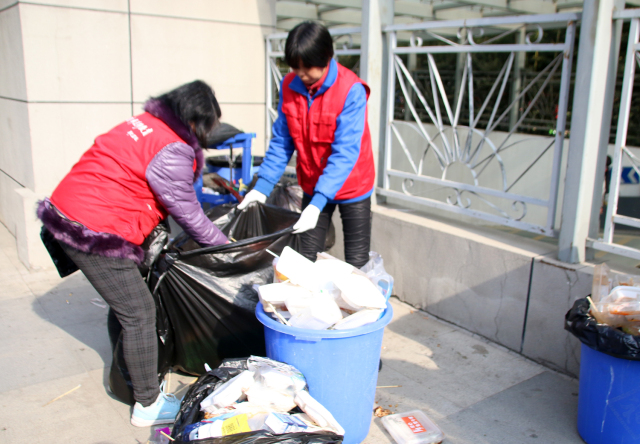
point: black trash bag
(221, 133)
(190, 413)
(153, 246)
(236, 161)
(208, 292)
(600, 337)
(286, 195)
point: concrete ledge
(31, 251)
(554, 287)
(504, 287)
(473, 281)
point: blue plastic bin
(609, 399)
(341, 366)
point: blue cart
(243, 141)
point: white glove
(252, 196)
(308, 219)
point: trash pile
(615, 300)
(252, 395)
(326, 294)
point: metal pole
(461, 61)
(563, 101)
(375, 15)
(390, 102)
(586, 124)
(269, 94)
(623, 125)
(518, 66)
(411, 66)
(607, 112)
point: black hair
(195, 103)
(309, 44)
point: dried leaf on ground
(380, 412)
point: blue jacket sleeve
(280, 150)
(345, 148)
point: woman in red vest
(322, 116)
(121, 188)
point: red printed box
(412, 427)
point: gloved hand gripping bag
(207, 293)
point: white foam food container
(277, 294)
(413, 427)
(359, 292)
(296, 267)
(320, 314)
(624, 293)
(358, 319)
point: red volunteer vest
(313, 130)
(106, 191)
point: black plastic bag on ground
(600, 337)
(208, 293)
(190, 413)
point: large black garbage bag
(190, 413)
(208, 293)
(600, 337)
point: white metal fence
(453, 146)
(449, 154)
(622, 152)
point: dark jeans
(121, 286)
(356, 226)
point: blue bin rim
(318, 335)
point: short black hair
(309, 44)
(195, 103)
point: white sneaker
(162, 411)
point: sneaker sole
(150, 422)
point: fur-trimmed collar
(158, 109)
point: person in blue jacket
(322, 116)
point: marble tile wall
(72, 69)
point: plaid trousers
(120, 284)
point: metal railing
(622, 152)
(456, 159)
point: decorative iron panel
(463, 151)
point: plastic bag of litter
(374, 269)
(191, 414)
